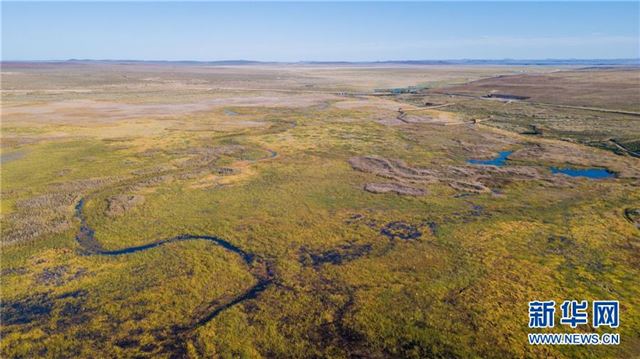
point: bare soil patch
(476, 179)
(393, 188)
(122, 203)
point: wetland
(291, 210)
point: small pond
(498, 161)
(11, 156)
(594, 173)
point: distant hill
(513, 62)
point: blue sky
(355, 31)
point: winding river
(261, 270)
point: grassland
(275, 160)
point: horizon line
(451, 60)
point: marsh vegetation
(286, 211)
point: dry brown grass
(615, 89)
